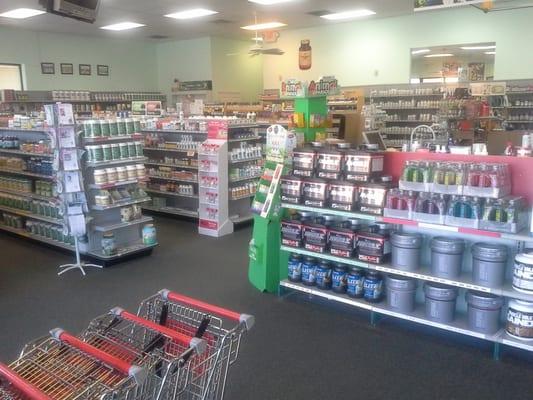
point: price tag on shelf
(191, 153)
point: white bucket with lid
(520, 319)
(523, 273)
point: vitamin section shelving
(423, 274)
(172, 170)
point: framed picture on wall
(102, 70)
(85, 69)
(67, 69)
(48, 68)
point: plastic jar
(373, 287)
(113, 129)
(94, 153)
(121, 127)
(132, 172)
(295, 268)
(401, 293)
(323, 275)
(339, 278)
(124, 150)
(355, 282)
(115, 151)
(109, 246)
(309, 271)
(291, 233)
(130, 126)
(406, 250)
(483, 311)
(104, 127)
(106, 149)
(140, 171)
(132, 150)
(149, 235)
(523, 273)
(100, 176)
(446, 257)
(440, 302)
(520, 319)
(138, 149)
(122, 174)
(112, 175)
(488, 264)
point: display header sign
(292, 88)
(425, 5)
(217, 130)
(153, 108)
(325, 86)
(188, 86)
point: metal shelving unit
(423, 274)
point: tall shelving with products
(172, 170)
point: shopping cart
(166, 354)
(61, 367)
(207, 380)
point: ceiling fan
(257, 48)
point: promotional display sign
(189, 86)
(424, 5)
(217, 130)
(325, 86)
(280, 144)
(292, 88)
(146, 108)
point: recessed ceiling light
(21, 13)
(490, 53)
(257, 39)
(439, 55)
(122, 26)
(478, 47)
(263, 26)
(189, 14)
(268, 2)
(348, 14)
(421, 51)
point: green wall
(377, 51)
(131, 63)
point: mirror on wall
(470, 62)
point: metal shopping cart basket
(207, 380)
(62, 367)
(167, 355)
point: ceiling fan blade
(273, 52)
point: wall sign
(193, 85)
(424, 5)
(102, 70)
(325, 86)
(292, 88)
(85, 69)
(48, 68)
(67, 69)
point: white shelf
(245, 139)
(25, 153)
(479, 233)
(116, 184)
(245, 178)
(23, 233)
(31, 215)
(172, 179)
(402, 121)
(172, 165)
(513, 121)
(123, 252)
(120, 225)
(26, 173)
(408, 108)
(173, 211)
(29, 195)
(245, 160)
(166, 150)
(246, 196)
(135, 160)
(375, 96)
(459, 325)
(31, 130)
(101, 139)
(241, 219)
(179, 131)
(97, 207)
(174, 194)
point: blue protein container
(339, 278)
(295, 268)
(373, 287)
(355, 281)
(309, 271)
(323, 275)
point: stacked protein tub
(173, 353)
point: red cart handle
(132, 370)
(246, 319)
(29, 390)
(197, 344)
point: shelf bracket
(496, 352)
(374, 318)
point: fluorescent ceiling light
(478, 47)
(421, 51)
(415, 80)
(433, 80)
(490, 53)
(263, 26)
(439, 55)
(189, 14)
(122, 26)
(268, 2)
(451, 79)
(348, 14)
(21, 13)
(257, 39)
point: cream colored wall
(377, 51)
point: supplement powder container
(323, 275)
(520, 319)
(406, 250)
(401, 293)
(295, 268)
(309, 271)
(483, 311)
(488, 264)
(446, 257)
(523, 273)
(373, 287)
(440, 302)
(339, 278)
(355, 281)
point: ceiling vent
(221, 21)
(158, 37)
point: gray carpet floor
(297, 350)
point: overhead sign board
(425, 5)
